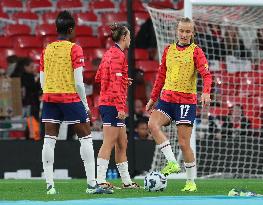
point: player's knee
(121, 147)
(153, 127)
(183, 145)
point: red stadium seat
(218, 111)
(137, 6)
(251, 90)
(6, 42)
(12, 5)
(46, 30)
(95, 52)
(28, 42)
(49, 17)
(104, 32)
(72, 5)
(141, 54)
(83, 31)
(88, 42)
(102, 6)
(109, 18)
(25, 18)
(4, 18)
(17, 30)
(39, 6)
(88, 18)
(49, 39)
(161, 4)
(141, 17)
(35, 54)
(147, 66)
(109, 43)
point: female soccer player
(64, 99)
(176, 82)
(113, 78)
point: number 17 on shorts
(185, 114)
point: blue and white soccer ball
(155, 181)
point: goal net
(229, 138)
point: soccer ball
(155, 181)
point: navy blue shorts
(109, 116)
(180, 113)
(70, 113)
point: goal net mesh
(229, 139)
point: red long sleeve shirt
(113, 77)
(201, 65)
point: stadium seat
(12, 5)
(109, 43)
(88, 18)
(251, 90)
(83, 31)
(6, 42)
(49, 39)
(28, 42)
(137, 6)
(147, 66)
(102, 6)
(71, 5)
(39, 6)
(35, 54)
(104, 32)
(49, 17)
(4, 18)
(88, 42)
(141, 17)
(95, 52)
(218, 111)
(141, 54)
(45, 30)
(109, 18)
(17, 30)
(25, 18)
(161, 4)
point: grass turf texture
(75, 189)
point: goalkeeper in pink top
(176, 82)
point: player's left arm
(201, 65)
(41, 73)
(78, 65)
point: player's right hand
(149, 105)
(121, 115)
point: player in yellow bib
(176, 82)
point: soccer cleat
(170, 168)
(51, 190)
(98, 190)
(189, 186)
(133, 185)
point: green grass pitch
(75, 189)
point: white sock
(167, 151)
(190, 171)
(102, 167)
(123, 170)
(48, 158)
(87, 156)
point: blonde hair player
(176, 82)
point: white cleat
(51, 190)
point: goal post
(228, 32)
